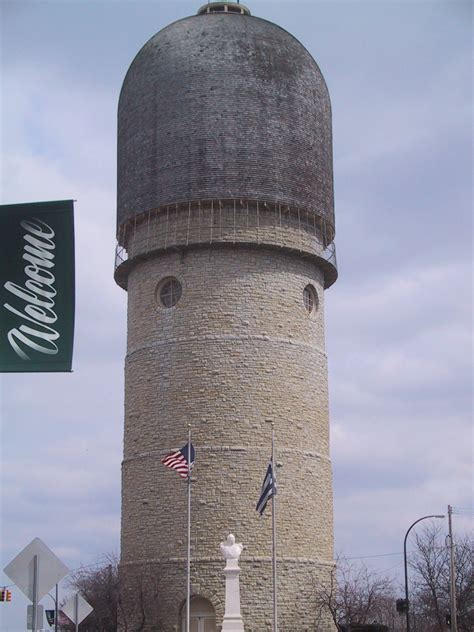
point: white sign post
(35, 570)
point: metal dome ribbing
(224, 105)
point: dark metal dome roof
(224, 105)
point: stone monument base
(232, 621)
(232, 624)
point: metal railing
(226, 221)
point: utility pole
(452, 574)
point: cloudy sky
(398, 319)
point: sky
(398, 319)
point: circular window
(310, 299)
(169, 292)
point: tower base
(153, 595)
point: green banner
(37, 290)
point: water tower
(225, 246)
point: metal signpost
(34, 611)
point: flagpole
(188, 567)
(275, 605)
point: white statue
(230, 549)
(232, 621)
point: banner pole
(275, 601)
(188, 569)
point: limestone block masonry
(225, 189)
(239, 349)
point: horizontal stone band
(158, 454)
(225, 338)
(219, 559)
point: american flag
(179, 461)
(268, 489)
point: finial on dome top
(224, 7)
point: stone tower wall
(238, 350)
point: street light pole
(406, 566)
(56, 608)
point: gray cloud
(398, 319)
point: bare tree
(127, 608)
(464, 562)
(430, 581)
(137, 604)
(430, 592)
(100, 588)
(356, 595)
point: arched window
(203, 616)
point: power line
(80, 568)
(390, 568)
(365, 557)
